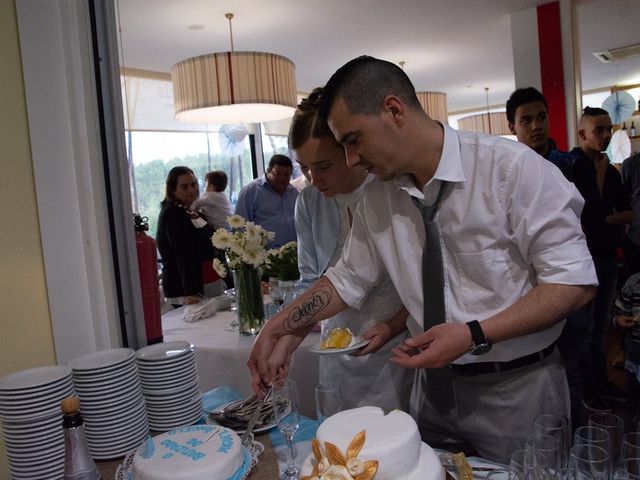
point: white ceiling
(454, 46)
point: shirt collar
(449, 168)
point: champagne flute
(277, 294)
(287, 416)
(328, 401)
(557, 427)
(590, 458)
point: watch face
(480, 349)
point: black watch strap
(480, 343)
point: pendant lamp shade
(234, 87)
(494, 123)
(435, 104)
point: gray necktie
(439, 383)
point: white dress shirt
(509, 221)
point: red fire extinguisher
(149, 283)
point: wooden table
(266, 469)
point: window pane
(153, 154)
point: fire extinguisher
(149, 283)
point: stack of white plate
(32, 421)
(111, 402)
(170, 384)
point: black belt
(470, 369)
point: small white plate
(161, 352)
(337, 351)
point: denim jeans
(595, 357)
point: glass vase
(249, 303)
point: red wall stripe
(551, 71)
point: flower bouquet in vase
(244, 244)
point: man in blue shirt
(270, 201)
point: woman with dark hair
(183, 239)
(323, 217)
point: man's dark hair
(363, 83)
(594, 112)
(217, 179)
(279, 159)
(520, 97)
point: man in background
(594, 132)
(631, 244)
(528, 117)
(214, 205)
(270, 201)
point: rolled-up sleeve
(545, 219)
(360, 267)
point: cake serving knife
(246, 436)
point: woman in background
(323, 217)
(184, 243)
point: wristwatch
(480, 345)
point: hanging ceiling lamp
(434, 103)
(234, 87)
(493, 123)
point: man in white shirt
(514, 256)
(214, 204)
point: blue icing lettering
(194, 442)
(148, 449)
(227, 442)
(183, 450)
(167, 455)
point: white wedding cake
(198, 452)
(365, 443)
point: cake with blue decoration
(197, 452)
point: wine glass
(572, 473)
(590, 458)
(557, 427)
(547, 446)
(287, 416)
(615, 426)
(529, 464)
(277, 294)
(328, 401)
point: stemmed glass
(277, 294)
(590, 458)
(328, 401)
(287, 416)
(557, 427)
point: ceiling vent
(618, 53)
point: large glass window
(153, 154)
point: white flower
(219, 267)
(235, 245)
(336, 472)
(221, 238)
(355, 466)
(269, 235)
(236, 221)
(288, 246)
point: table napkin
(207, 308)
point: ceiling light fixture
(234, 87)
(434, 103)
(493, 123)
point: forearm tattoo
(303, 315)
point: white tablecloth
(221, 355)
